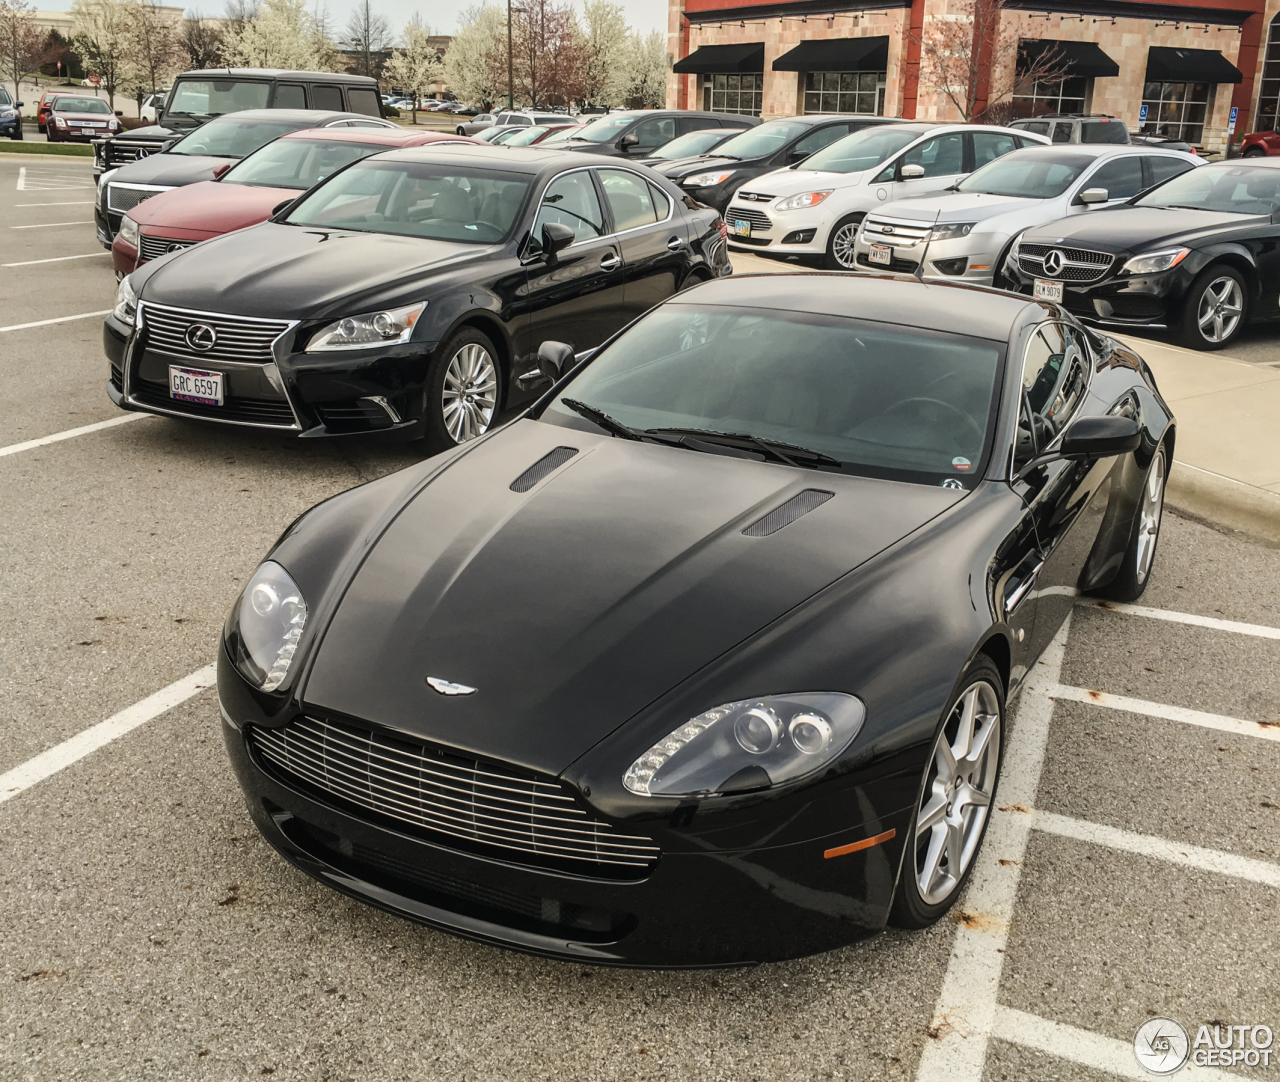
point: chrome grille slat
(760, 223)
(449, 795)
(239, 338)
(154, 247)
(1079, 264)
(895, 232)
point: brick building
(1188, 62)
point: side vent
(549, 462)
(794, 508)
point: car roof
(320, 116)
(1097, 150)
(387, 136)
(274, 73)
(532, 160)
(1265, 163)
(898, 299)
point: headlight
(952, 230)
(264, 626)
(128, 231)
(1154, 262)
(388, 328)
(126, 310)
(707, 180)
(750, 744)
(801, 201)
(59, 122)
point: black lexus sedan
(776, 144)
(406, 293)
(206, 154)
(703, 660)
(1197, 255)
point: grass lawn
(30, 146)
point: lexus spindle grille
(155, 247)
(1078, 264)
(760, 223)
(460, 801)
(238, 339)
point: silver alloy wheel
(842, 244)
(957, 796)
(1221, 306)
(470, 393)
(1149, 517)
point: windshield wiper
(598, 417)
(789, 454)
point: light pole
(510, 100)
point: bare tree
(551, 55)
(200, 42)
(22, 44)
(367, 35)
(153, 44)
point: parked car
(714, 177)
(79, 119)
(1164, 142)
(201, 96)
(414, 286)
(559, 136)
(43, 108)
(637, 133)
(10, 117)
(813, 209)
(251, 190)
(513, 118)
(694, 144)
(534, 135)
(152, 106)
(204, 154)
(1195, 255)
(764, 597)
(965, 232)
(497, 133)
(1075, 128)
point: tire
(960, 807)
(1254, 152)
(1219, 294)
(460, 131)
(841, 237)
(1144, 535)
(455, 413)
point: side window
(655, 132)
(360, 100)
(1039, 127)
(289, 96)
(1122, 177)
(520, 118)
(1162, 168)
(629, 199)
(686, 124)
(1103, 131)
(940, 156)
(327, 97)
(500, 119)
(661, 202)
(1054, 378)
(571, 200)
(989, 145)
(816, 140)
(1062, 131)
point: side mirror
(911, 172)
(221, 171)
(628, 141)
(280, 208)
(1094, 195)
(554, 359)
(119, 113)
(167, 145)
(796, 156)
(1101, 437)
(19, 104)
(555, 239)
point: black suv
(199, 96)
(637, 133)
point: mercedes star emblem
(1053, 261)
(202, 337)
(448, 687)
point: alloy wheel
(842, 245)
(957, 796)
(1221, 306)
(1149, 517)
(470, 393)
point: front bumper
(11, 126)
(789, 232)
(1151, 301)
(970, 259)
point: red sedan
(249, 191)
(79, 120)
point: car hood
(705, 163)
(958, 206)
(210, 207)
(295, 272)
(173, 169)
(572, 606)
(793, 181)
(1135, 228)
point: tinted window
(816, 140)
(1163, 168)
(80, 105)
(1122, 177)
(571, 200)
(1062, 131)
(691, 145)
(297, 163)
(499, 120)
(629, 199)
(362, 101)
(521, 119)
(1100, 131)
(232, 138)
(990, 145)
(1238, 189)
(1028, 174)
(940, 156)
(213, 97)
(686, 124)
(606, 129)
(1039, 127)
(653, 133)
(762, 141)
(290, 96)
(327, 97)
(4, 97)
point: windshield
(604, 129)
(80, 105)
(562, 134)
(4, 97)
(417, 199)
(232, 138)
(862, 150)
(1230, 189)
(525, 136)
(762, 140)
(298, 163)
(1028, 174)
(691, 145)
(213, 97)
(882, 400)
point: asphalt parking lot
(1132, 871)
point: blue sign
(1231, 124)
(1142, 115)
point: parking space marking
(38, 182)
(61, 756)
(50, 225)
(964, 1016)
(69, 203)
(71, 433)
(55, 259)
(1263, 730)
(58, 319)
(1260, 630)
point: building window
(733, 94)
(844, 92)
(1269, 93)
(1052, 96)
(1176, 109)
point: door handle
(675, 244)
(611, 262)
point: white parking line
(58, 319)
(71, 203)
(964, 1016)
(49, 225)
(84, 430)
(55, 259)
(1269, 730)
(36, 181)
(1260, 630)
(61, 756)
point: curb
(1224, 502)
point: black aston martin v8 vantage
(704, 659)
(406, 294)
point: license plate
(195, 385)
(741, 228)
(880, 253)
(1048, 291)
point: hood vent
(796, 507)
(548, 463)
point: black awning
(746, 57)
(1072, 58)
(836, 54)
(1165, 65)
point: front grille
(118, 152)
(459, 800)
(123, 197)
(240, 339)
(155, 247)
(760, 223)
(896, 265)
(896, 232)
(754, 197)
(1079, 264)
(249, 411)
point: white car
(965, 233)
(814, 208)
(152, 105)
